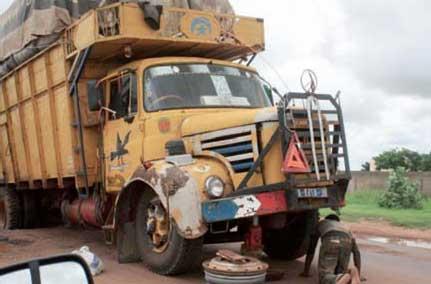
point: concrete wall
(378, 180)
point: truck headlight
(214, 187)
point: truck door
(121, 134)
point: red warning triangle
(295, 161)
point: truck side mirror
(95, 95)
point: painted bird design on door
(121, 150)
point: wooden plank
(10, 135)
(38, 126)
(7, 153)
(3, 157)
(54, 124)
(24, 136)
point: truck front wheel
(291, 242)
(161, 248)
(10, 209)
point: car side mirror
(95, 95)
(65, 269)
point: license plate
(312, 193)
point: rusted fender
(179, 193)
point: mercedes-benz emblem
(309, 81)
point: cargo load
(28, 27)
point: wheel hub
(158, 226)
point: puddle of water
(379, 240)
(402, 242)
(415, 244)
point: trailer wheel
(160, 246)
(10, 210)
(291, 242)
(31, 210)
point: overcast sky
(376, 52)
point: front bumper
(255, 203)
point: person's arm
(310, 254)
(356, 255)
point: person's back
(334, 257)
(327, 225)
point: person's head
(333, 217)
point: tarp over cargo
(29, 26)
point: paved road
(383, 262)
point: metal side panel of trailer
(37, 135)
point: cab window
(123, 96)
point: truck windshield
(202, 86)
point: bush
(402, 193)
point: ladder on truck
(323, 139)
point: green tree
(401, 192)
(425, 165)
(405, 158)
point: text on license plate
(312, 193)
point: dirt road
(384, 261)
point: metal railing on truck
(331, 137)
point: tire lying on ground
(291, 242)
(10, 210)
(161, 248)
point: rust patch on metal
(177, 214)
(173, 180)
(149, 176)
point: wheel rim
(157, 226)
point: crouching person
(337, 243)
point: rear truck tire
(10, 210)
(161, 247)
(31, 212)
(292, 241)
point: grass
(363, 205)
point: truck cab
(157, 106)
(203, 137)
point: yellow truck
(158, 131)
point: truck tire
(11, 215)
(291, 242)
(2, 209)
(31, 218)
(170, 254)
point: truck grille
(235, 144)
